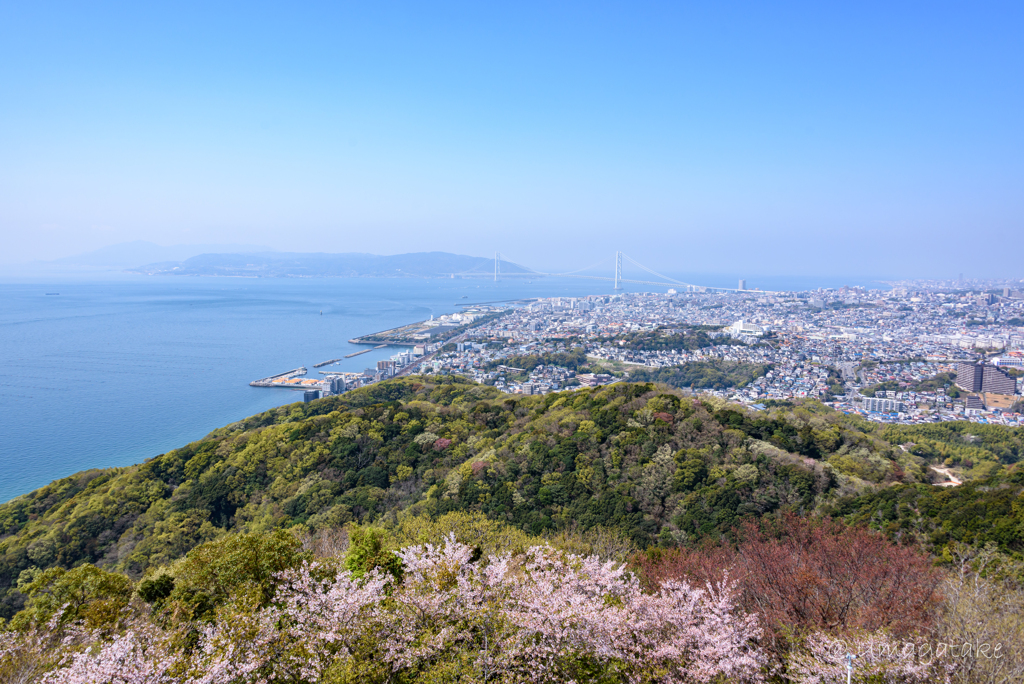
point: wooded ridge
(659, 468)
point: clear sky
(869, 138)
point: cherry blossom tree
(574, 613)
(541, 616)
(138, 656)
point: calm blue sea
(117, 369)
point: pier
(276, 380)
(326, 363)
(363, 351)
(400, 336)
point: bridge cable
(653, 272)
(579, 270)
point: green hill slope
(988, 510)
(657, 467)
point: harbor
(438, 329)
(422, 340)
(292, 379)
(402, 335)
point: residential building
(883, 405)
(997, 381)
(969, 376)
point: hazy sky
(871, 138)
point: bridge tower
(618, 270)
(497, 266)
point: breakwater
(274, 380)
(363, 351)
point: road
(408, 370)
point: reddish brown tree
(806, 575)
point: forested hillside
(421, 530)
(975, 513)
(978, 450)
(688, 339)
(573, 359)
(710, 374)
(659, 468)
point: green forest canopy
(710, 374)
(636, 458)
(686, 339)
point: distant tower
(618, 270)
(497, 266)
(743, 284)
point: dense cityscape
(890, 355)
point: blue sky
(760, 138)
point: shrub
(804, 575)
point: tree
(86, 594)
(984, 611)
(803, 576)
(211, 573)
(542, 616)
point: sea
(108, 370)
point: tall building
(997, 381)
(310, 395)
(968, 376)
(743, 284)
(977, 377)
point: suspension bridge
(617, 277)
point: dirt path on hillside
(952, 481)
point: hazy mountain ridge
(130, 254)
(344, 265)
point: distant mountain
(298, 265)
(130, 254)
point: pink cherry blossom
(542, 616)
(139, 656)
